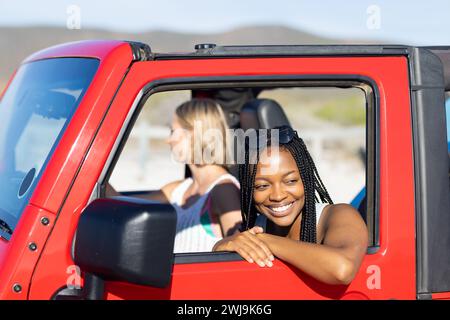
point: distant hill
(16, 43)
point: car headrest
(262, 114)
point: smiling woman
(282, 217)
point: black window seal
(286, 51)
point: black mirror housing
(127, 239)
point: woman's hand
(249, 246)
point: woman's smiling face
(278, 194)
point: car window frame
(364, 82)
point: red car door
(388, 270)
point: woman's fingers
(257, 230)
(255, 254)
(251, 249)
(244, 255)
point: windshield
(34, 112)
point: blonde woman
(208, 202)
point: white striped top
(194, 232)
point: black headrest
(262, 114)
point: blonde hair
(205, 117)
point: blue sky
(409, 22)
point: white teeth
(282, 208)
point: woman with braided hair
(282, 215)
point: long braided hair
(310, 177)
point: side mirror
(127, 239)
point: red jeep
(76, 104)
